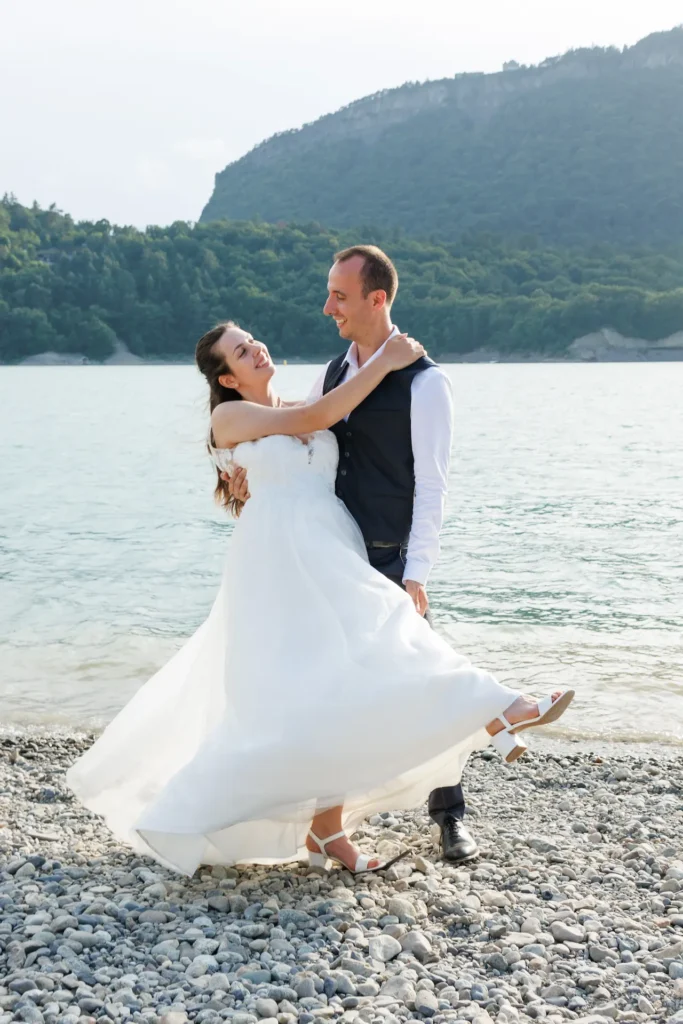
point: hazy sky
(126, 109)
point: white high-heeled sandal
(508, 743)
(322, 858)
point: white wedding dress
(313, 682)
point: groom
(394, 453)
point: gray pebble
(426, 1003)
(417, 943)
(562, 932)
(384, 948)
(266, 1008)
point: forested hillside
(73, 287)
(585, 148)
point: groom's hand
(237, 484)
(418, 595)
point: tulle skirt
(313, 682)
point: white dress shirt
(431, 427)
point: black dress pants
(448, 800)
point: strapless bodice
(283, 461)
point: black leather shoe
(457, 845)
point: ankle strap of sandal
(322, 843)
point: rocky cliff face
(477, 95)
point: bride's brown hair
(212, 365)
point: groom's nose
(329, 308)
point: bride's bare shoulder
(223, 421)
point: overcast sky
(126, 109)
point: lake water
(562, 551)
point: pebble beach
(572, 912)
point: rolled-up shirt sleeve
(431, 424)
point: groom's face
(351, 310)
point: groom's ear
(379, 299)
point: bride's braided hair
(212, 365)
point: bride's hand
(401, 351)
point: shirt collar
(352, 354)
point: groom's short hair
(377, 273)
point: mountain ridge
(485, 137)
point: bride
(313, 694)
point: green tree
(78, 287)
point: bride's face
(248, 361)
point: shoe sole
(461, 860)
(552, 714)
(516, 753)
(338, 865)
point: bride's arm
(233, 422)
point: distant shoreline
(617, 357)
(603, 346)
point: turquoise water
(562, 553)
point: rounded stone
(266, 1008)
(384, 948)
(426, 1003)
